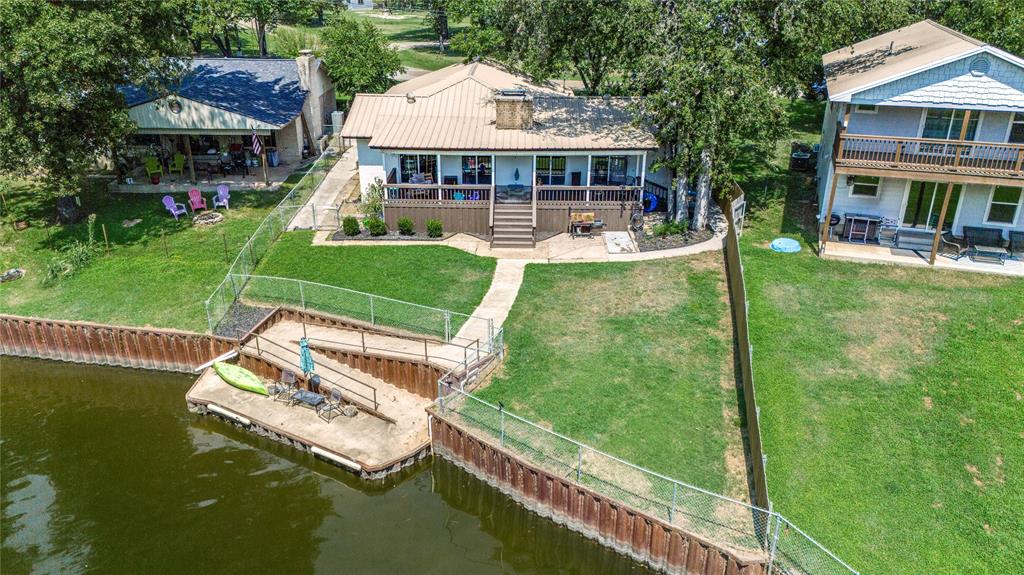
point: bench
(913, 239)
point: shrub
(406, 227)
(350, 226)
(376, 226)
(373, 203)
(671, 228)
(74, 257)
(434, 228)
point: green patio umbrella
(305, 358)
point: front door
(924, 202)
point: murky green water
(104, 471)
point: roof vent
(980, 66)
(411, 98)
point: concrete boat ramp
(390, 377)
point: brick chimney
(513, 110)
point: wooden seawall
(85, 342)
(610, 522)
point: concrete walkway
(508, 277)
(321, 208)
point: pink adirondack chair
(196, 200)
(175, 208)
(222, 197)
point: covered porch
(874, 253)
(536, 190)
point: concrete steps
(513, 226)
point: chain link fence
(224, 297)
(729, 523)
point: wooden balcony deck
(968, 161)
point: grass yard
(138, 282)
(634, 359)
(891, 398)
(437, 276)
(428, 58)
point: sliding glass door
(925, 202)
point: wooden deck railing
(438, 192)
(931, 155)
(586, 194)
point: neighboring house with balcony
(923, 134)
(490, 153)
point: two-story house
(494, 154)
(923, 146)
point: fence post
(372, 318)
(302, 297)
(672, 510)
(775, 542)
(362, 337)
(447, 325)
(209, 319)
(312, 208)
(579, 461)
(502, 426)
(258, 352)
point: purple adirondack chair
(222, 197)
(196, 200)
(176, 209)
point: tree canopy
(60, 66)
(358, 57)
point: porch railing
(923, 154)
(438, 192)
(587, 194)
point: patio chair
(288, 385)
(153, 167)
(223, 197)
(978, 236)
(177, 165)
(1016, 244)
(175, 208)
(196, 200)
(952, 246)
(332, 405)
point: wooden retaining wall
(636, 534)
(85, 342)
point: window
(866, 109)
(1004, 205)
(1016, 134)
(476, 170)
(608, 171)
(551, 170)
(865, 186)
(924, 203)
(946, 124)
(418, 168)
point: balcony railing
(931, 155)
(438, 192)
(587, 194)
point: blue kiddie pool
(785, 245)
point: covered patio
(905, 257)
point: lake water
(105, 471)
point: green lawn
(428, 58)
(139, 282)
(631, 358)
(437, 276)
(891, 399)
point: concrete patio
(180, 184)
(887, 255)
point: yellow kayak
(240, 377)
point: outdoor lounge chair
(153, 167)
(978, 236)
(952, 246)
(222, 198)
(176, 209)
(1016, 244)
(283, 390)
(177, 165)
(196, 200)
(332, 405)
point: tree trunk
(224, 51)
(703, 203)
(261, 37)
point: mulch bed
(365, 235)
(648, 243)
(240, 319)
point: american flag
(257, 147)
